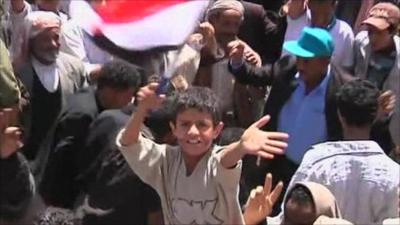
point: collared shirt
(48, 75)
(380, 66)
(363, 179)
(303, 118)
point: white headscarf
(225, 5)
(35, 23)
(38, 21)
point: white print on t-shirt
(195, 212)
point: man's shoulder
(72, 66)
(70, 63)
(112, 118)
(340, 74)
(362, 38)
(286, 65)
(82, 103)
(342, 29)
(329, 149)
(69, 59)
(344, 26)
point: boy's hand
(265, 144)
(10, 137)
(148, 99)
(261, 201)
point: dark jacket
(281, 76)
(57, 186)
(17, 187)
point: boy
(197, 181)
(377, 57)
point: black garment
(16, 187)
(109, 184)
(281, 76)
(260, 32)
(271, 5)
(58, 187)
(283, 168)
(46, 107)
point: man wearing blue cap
(302, 98)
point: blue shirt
(303, 118)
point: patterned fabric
(364, 181)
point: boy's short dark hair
(199, 98)
(119, 75)
(358, 102)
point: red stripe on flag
(123, 11)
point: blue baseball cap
(313, 42)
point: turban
(38, 21)
(225, 5)
(35, 23)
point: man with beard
(48, 76)
(224, 20)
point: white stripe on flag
(168, 27)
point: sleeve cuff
(126, 147)
(236, 66)
(231, 176)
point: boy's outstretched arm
(148, 100)
(255, 142)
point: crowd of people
(277, 112)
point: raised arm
(148, 100)
(294, 8)
(243, 71)
(10, 136)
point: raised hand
(262, 143)
(236, 52)
(294, 8)
(261, 201)
(387, 102)
(10, 137)
(252, 57)
(207, 30)
(148, 98)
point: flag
(139, 25)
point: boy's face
(195, 131)
(379, 39)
